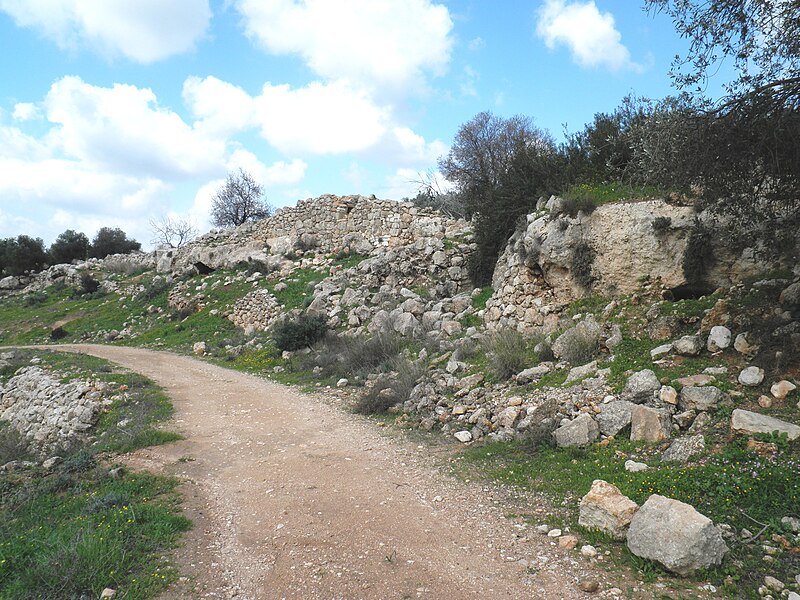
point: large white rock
(606, 509)
(650, 424)
(582, 431)
(700, 398)
(745, 421)
(751, 376)
(674, 534)
(718, 339)
(641, 386)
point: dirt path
(292, 498)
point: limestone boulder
(751, 376)
(676, 535)
(700, 398)
(745, 421)
(689, 345)
(682, 449)
(718, 339)
(641, 386)
(606, 509)
(650, 424)
(614, 416)
(581, 431)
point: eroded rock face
(676, 535)
(606, 509)
(745, 421)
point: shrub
(300, 332)
(510, 352)
(390, 388)
(578, 345)
(699, 256)
(12, 444)
(34, 299)
(356, 355)
(88, 286)
(582, 260)
(157, 286)
(662, 224)
(580, 203)
(58, 333)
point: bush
(510, 352)
(34, 299)
(87, 287)
(58, 333)
(699, 256)
(156, 287)
(345, 356)
(12, 444)
(580, 203)
(300, 332)
(662, 224)
(390, 388)
(582, 260)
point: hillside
(602, 351)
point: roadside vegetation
(86, 524)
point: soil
(292, 497)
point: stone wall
(49, 414)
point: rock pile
(49, 414)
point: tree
(500, 167)
(112, 241)
(172, 233)
(739, 152)
(69, 245)
(238, 201)
(21, 255)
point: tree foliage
(69, 245)
(22, 254)
(239, 200)
(172, 232)
(500, 167)
(112, 241)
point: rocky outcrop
(49, 414)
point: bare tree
(172, 233)
(238, 201)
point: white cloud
(413, 149)
(404, 183)
(26, 111)
(591, 37)
(144, 31)
(122, 128)
(372, 42)
(221, 108)
(320, 118)
(278, 173)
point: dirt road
(293, 498)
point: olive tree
(239, 200)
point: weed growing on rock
(300, 332)
(581, 265)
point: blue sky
(114, 113)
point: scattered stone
(668, 395)
(718, 339)
(696, 380)
(107, 594)
(751, 376)
(774, 584)
(614, 416)
(543, 529)
(588, 551)
(567, 542)
(676, 535)
(532, 374)
(343, 382)
(792, 523)
(577, 373)
(635, 467)
(700, 398)
(650, 424)
(685, 418)
(660, 351)
(742, 345)
(554, 533)
(782, 389)
(684, 448)
(689, 345)
(51, 462)
(745, 421)
(582, 431)
(606, 509)
(200, 348)
(589, 586)
(765, 401)
(641, 386)
(463, 436)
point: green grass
(732, 487)
(479, 301)
(75, 530)
(604, 193)
(299, 288)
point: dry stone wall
(49, 414)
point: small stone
(689, 345)
(774, 584)
(588, 551)
(635, 467)
(792, 523)
(463, 436)
(567, 542)
(765, 401)
(107, 594)
(116, 472)
(543, 529)
(743, 346)
(343, 382)
(718, 339)
(782, 389)
(751, 376)
(650, 424)
(554, 533)
(606, 509)
(589, 586)
(660, 351)
(200, 348)
(700, 398)
(668, 395)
